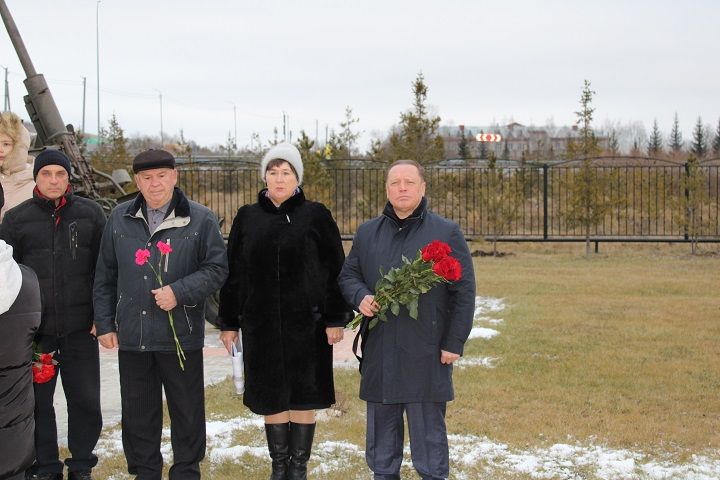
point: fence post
(687, 201)
(545, 201)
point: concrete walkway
(217, 366)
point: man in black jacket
(19, 320)
(132, 312)
(57, 234)
(407, 363)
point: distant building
(537, 143)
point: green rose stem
(178, 348)
(416, 276)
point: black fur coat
(283, 292)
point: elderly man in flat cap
(159, 328)
(57, 234)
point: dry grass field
(618, 352)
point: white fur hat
(287, 152)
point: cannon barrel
(44, 114)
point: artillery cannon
(51, 130)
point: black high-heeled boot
(301, 440)
(278, 436)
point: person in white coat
(19, 319)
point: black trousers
(386, 436)
(143, 376)
(79, 369)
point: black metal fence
(640, 203)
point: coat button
(145, 277)
(142, 347)
(149, 244)
(143, 312)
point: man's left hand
(334, 334)
(448, 357)
(165, 298)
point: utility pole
(235, 121)
(6, 103)
(284, 129)
(83, 109)
(97, 63)
(162, 137)
(316, 134)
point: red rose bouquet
(403, 285)
(142, 255)
(43, 367)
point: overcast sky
(483, 61)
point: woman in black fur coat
(285, 254)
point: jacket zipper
(187, 318)
(73, 240)
(117, 305)
(52, 273)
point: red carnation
(46, 358)
(448, 268)
(436, 251)
(165, 248)
(141, 256)
(43, 372)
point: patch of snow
(481, 332)
(235, 453)
(484, 305)
(490, 320)
(346, 364)
(487, 362)
(466, 451)
(333, 456)
(572, 461)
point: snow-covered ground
(471, 456)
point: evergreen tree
(588, 143)
(377, 151)
(185, 148)
(716, 141)
(613, 145)
(229, 147)
(505, 152)
(699, 145)
(502, 199)
(345, 143)
(315, 175)
(588, 202)
(463, 144)
(654, 146)
(676, 141)
(482, 148)
(416, 137)
(691, 202)
(112, 153)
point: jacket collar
(287, 206)
(417, 214)
(42, 200)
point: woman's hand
(334, 334)
(228, 339)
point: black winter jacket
(401, 357)
(17, 402)
(283, 292)
(62, 248)
(195, 269)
